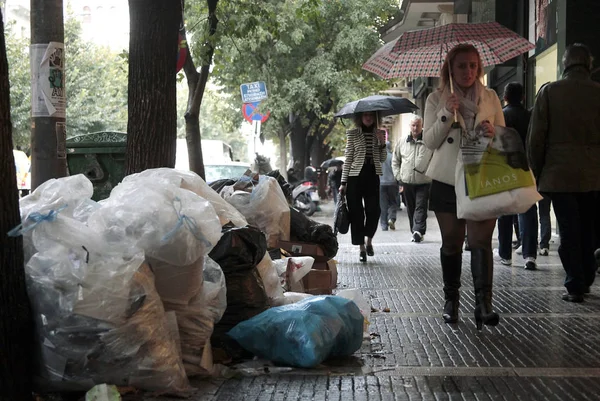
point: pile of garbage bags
(137, 289)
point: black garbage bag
(285, 186)
(306, 230)
(238, 252)
(220, 184)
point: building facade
(550, 24)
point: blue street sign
(253, 92)
(251, 112)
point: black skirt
(442, 197)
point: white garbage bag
(98, 320)
(265, 208)
(169, 223)
(193, 182)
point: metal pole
(48, 96)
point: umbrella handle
(452, 88)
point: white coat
(410, 161)
(443, 140)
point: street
(543, 348)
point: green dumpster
(100, 156)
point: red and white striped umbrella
(421, 53)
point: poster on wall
(48, 97)
(545, 24)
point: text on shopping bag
(498, 166)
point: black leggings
(363, 219)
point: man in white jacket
(410, 161)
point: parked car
(232, 170)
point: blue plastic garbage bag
(303, 334)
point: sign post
(253, 92)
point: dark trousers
(517, 229)
(576, 214)
(334, 190)
(417, 198)
(388, 203)
(545, 224)
(505, 232)
(528, 224)
(363, 217)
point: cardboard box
(297, 248)
(320, 281)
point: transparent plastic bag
(356, 295)
(99, 320)
(64, 197)
(270, 279)
(69, 192)
(169, 223)
(266, 208)
(177, 285)
(196, 321)
(193, 182)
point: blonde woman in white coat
(365, 151)
(475, 107)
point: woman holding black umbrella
(365, 151)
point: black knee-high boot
(451, 269)
(482, 270)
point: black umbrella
(331, 163)
(383, 105)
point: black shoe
(363, 256)
(450, 314)
(530, 265)
(482, 269)
(451, 270)
(370, 250)
(417, 237)
(569, 297)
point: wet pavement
(543, 348)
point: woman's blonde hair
(455, 51)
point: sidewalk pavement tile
(543, 348)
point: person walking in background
(388, 193)
(365, 152)
(545, 225)
(334, 176)
(517, 116)
(409, 163)
(477, 109)
(563, 148)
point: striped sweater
(356, 153)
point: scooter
(305, 197)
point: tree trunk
(16, 324)
(282, 154)
(48, 123)
(152, 103)
(298, 147)
(196, 86)
(320, 151)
